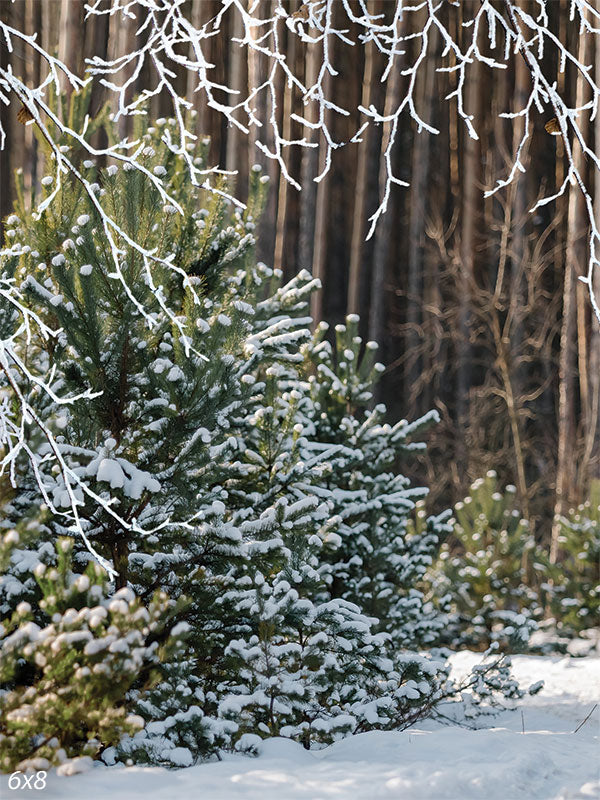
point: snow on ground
(430, 762)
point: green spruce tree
(483, 571)
(571, 587)
(220, 454)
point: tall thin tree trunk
(71, 39)
(291, 213)
(588, 328)
(519, 221)
(284, 186)
(197, 17)
(575, 264)
(257, 75)
(236, 154)
(12, 156)
(416, 230)
(33, 20)
(96, 44)
(367, 156)
(592, 443)
(469, 210)
(509, 337)
(566, 374)
(322, 216)
(310, 164)
(385, 225)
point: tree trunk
(236, 158)
(14, 15)
(310, 163)
(70, 39)
(588, 328)
(575, 264)
(592, 444)
(385, 225)
(367, 157)
(281, 253)
(417, 205)
(466, 272)
(257, 75)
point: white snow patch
(429, 762)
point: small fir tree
(224, 456)
(483, 571)
(572, 586)
(382, 558)
(66, 680)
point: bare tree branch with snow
(169, 43)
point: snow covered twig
(168, 43)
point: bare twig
(581, 724)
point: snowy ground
(429, 762)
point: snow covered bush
(316, 669)
(19, 560)
(335, 625)
(176, 711)
(571, 588)
(193, 437)
(482, 571)
(384, 551)
(66, 679)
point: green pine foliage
(154, 436)
(483, 571)
(177, 714)
(316, 670)
(67, 679)
(27, 549)
(572, 586)
(219, 454)
(383, 555)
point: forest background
(475, 301)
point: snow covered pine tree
(483, 568)
(224, 457)
(571, 587)
(65, 681)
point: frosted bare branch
(408, 35)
